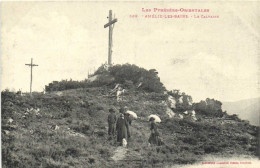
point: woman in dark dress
(154, 137)
(121, 127)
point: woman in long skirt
(121, 127)
(154, 137)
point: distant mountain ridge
(248, 109)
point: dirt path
(120, 153)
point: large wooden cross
(31, 65)
(109, 24)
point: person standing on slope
(154, 137)
(111, 122)
(129, 120)
(121, 128)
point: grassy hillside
(70, 130)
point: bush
(157, 97)
(64, 85)
(72, 152)
(149, 79)
(190, 140)
(209, 107)
(187, 99)
(126, 74)
(211, 149)
(6, 95)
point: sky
(205, 58)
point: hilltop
(68, 127)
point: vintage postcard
(130, 84)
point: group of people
(120, 126)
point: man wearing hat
(111, 122)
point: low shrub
(72, 152)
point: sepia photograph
(131, 84)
